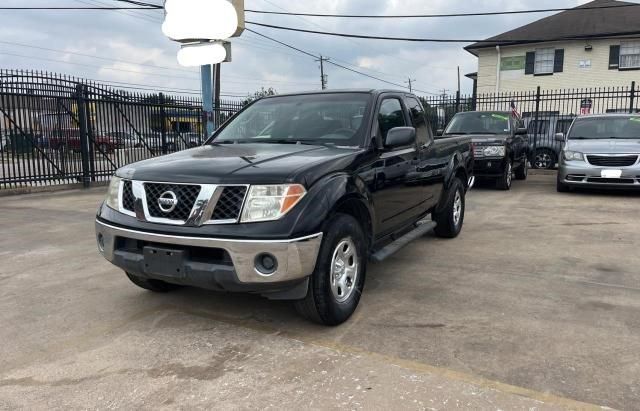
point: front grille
(230, 203)
(612, 161)
(185, 194)
(128, 199)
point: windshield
(475, 122)
(605, 128)
(312, 119)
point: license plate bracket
(611, 173)
(165, 262)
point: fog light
(101, 243)
(266, 264)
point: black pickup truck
(289, 199)
(500, 144)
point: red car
(69, 139)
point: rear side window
(419, 120)
(563, 126)
(390, 116)
(541, 125)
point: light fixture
(199, 19)
(195, 55)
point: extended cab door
(397, 197)
(430, 167)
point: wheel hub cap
(344, 270)
(457, 208)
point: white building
(576, 49)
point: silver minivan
(600, 151)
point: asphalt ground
(535, 306)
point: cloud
(136, 40)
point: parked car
(69, 139)
(500, 145)
(289, 208)
(601, 151)
(123, 139)
(542, 143)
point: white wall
(572, 77)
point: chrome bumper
(296, 257)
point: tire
(327, 302)
(561, 187)
(103, 148)
(545, 159)
(522, 172)
(156, 286)
(504, 182)
(450, 219)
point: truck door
(398, 199)
(429, 172)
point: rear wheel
(504, 182)
(152, 285)
(338, 279)
(522, 172)
(449, 221)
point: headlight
(113, 193)
(267, 203)
(493, 151)
(573, 155)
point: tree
(259, 94)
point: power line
(334, 63)
(142, 3)
(134, 14)
(439, 40)
(77, 8)
(409, 16)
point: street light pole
(207, 97)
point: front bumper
(488, 167)
(581, 174)
(212, 263)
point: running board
(423, 228)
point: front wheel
(561, 187)
(338, 279)
(544, 159)
(450, 219)
(504, 182)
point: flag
(514, 110)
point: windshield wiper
(459, 133)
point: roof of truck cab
(338, 91)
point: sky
(129, 49)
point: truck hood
(240, 164)
(605, 146)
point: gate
(56, 129)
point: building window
(630, 55)
(544, 61)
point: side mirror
(400, 137)
(521, 131)
(560, 137)
(439, 132)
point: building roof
(573, 24)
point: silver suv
(601, 151)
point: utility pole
(458, 79)
(323, 77)
(410, 82)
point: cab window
(390, 116)
(419, 120)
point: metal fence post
(537, 127)
(84, 134)
(457, 101)
(632, 97)
(163, 123)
